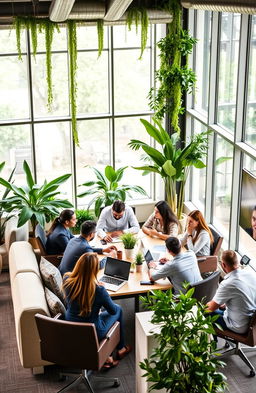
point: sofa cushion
(22, 259)
(54, 303)
(52, 278)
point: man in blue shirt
(182, 268)
(80, 245)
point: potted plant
(107, 188)
(172, 163)
(82, 216)
(35, 202)
(139, 258)
(183, 359)
(4, 216)
(129, 241)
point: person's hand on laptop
(152, 264)
(108, 238)
(101, 283)
(163, 260)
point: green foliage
(72, 49)
(129, 240)
(139, 258)
(183, 359)
(107, 188)
(48, 27)
(81, 216)
(100, 30)
(138, 15)
(173, 79)
(34, 202)
(172, 163)
(4, 216)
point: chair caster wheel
(252, 373)
(227, 345)
(116, 384)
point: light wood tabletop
(133, 288)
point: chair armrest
(207, 263)
(54, 259)
(109, 343)
(58, 316)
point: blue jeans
(220, 321)
(103, 262)
(107, 320)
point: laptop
(116, 274)
(149, 258)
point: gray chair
(209, 263)
(41, 242)
(75, 345)
(236, 339)
(12, 234)
(206, 289)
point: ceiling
(111, 11)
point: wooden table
(133, 288)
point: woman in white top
(198, 236)
(162, 223)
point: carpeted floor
(15, 379)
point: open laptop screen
(117, 268)
(148, 257)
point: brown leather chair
(41, 242)
(236, 339)
(206, 289)
(209, 263)
(75, 345)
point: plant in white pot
(139, 258)
(129, 240)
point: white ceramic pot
(129, 253)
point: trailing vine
(18, 27)
(138, 16)
(72, 49)
(100, 30)
(33, 30)
(173, 78)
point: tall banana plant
(171, 161)
(35, 202)
(107, 188)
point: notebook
(116, 274)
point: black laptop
(116, 274)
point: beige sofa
(28, 299)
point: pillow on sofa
(54, 303)
(52, 278)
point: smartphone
(147, 282)
(103, 242)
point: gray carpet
(15, 379)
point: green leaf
(153, 131)
(59, 180)
(199, 164)
(29, 177)
(87, 184)
(148, 168)
(99, 175)
(119, 173)
(110, 173)
(25, 215)
(98, 205)
(2, 165)
(154, 154)
(169, 168)
(220, 160)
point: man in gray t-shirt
(236, 295)
(183, 267)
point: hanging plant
(18, 27)
(138, 16)
(100, 30)
(173, 78)
(33, 30)
(72, 49)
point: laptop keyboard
(111, 280)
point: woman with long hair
(162, 223)
(59, 234)
(86, 296)
(198, 236)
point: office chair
(76, 345)
(236, 339)
(206, 289)
(209, 263)
(41, 241)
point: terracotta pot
(138, 268)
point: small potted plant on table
(129, 241)
(139, 258)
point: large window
(231, 83)
(111, 98)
